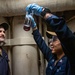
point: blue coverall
(61, 68)
(66, 37)
(4, 67)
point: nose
(3, 33)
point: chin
(53, 52)
(2, 39)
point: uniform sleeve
(42, 45)
(65, 35)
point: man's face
(55, 45)
(2, 35)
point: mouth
(2, 38)
(52, 48)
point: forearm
(41, 44)
(59, 25)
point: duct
(3, 20)
(17, 7)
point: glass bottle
(27, 23)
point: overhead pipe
(17, 7)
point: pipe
(17, 7)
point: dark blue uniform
(4, 67)
(61, 68)
(66, 37)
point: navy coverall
(66, 37)
(4, 67)
(62, 66)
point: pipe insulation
(17, 7)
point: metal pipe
(17, 7)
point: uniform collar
(0, 51)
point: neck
(59, 56)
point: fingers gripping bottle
(27, 22)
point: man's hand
(33, 23)
(34, 8)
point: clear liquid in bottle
(27, 23)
